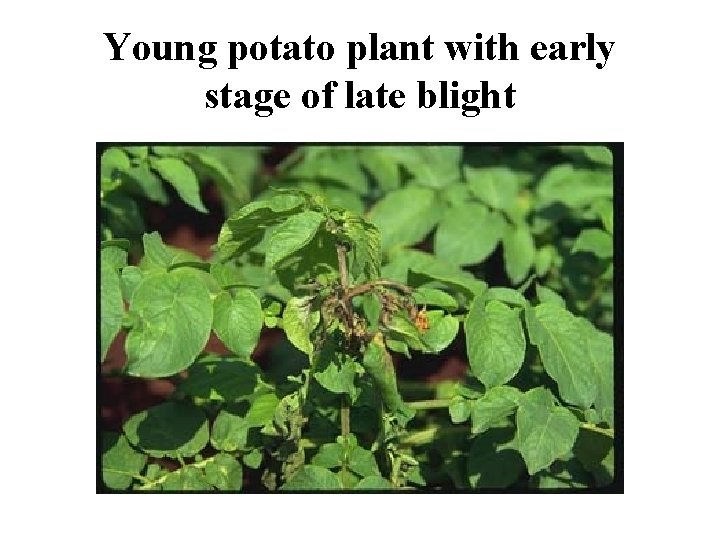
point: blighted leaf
(170, 429)
(596, 242)
(112, 308)
(545, 431)
(406, 216)
(468, 234)
(434, 297)
(237, 320)
(120, 461)
(312, 477)
(442, 331)
(366, 247)
(336, 373)
(174, 313)
(495, 186)
(563, 349)
(378, 364)
(518, 252)
(180, 176)
(490, 465)
(496, 404)
(224, 472)
(495, 342)
(299, 321)
(373, 483)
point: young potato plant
(535, 411)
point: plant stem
(608, 432)
(429, 404)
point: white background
(61, 94)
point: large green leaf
(312, 477)
(246, 227)
(405, 216)
(174, 317)
(442, 331)
(180, 176)
(426, 296)
(299, 322)
(495, 342)
(519, 253)
(237, 320)
(468, 234)
(562, 343)
(170, 429)
(495, 186)
(120, 462)
(111, 305)
(545, 431)
(292, 235)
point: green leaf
(253, 459)
(229, 431)
(142, 180)
(312, 477)
(121, 214)
(497, 403)
(237, 320)
(336, 373)
(224, 379)
(519, 253)
(299, 322)
(601, 354)
(599, 154)
(180, 176)
(373, 483)
(329, 456)
(362, 462)
(432, 166)
(545, 431)
(468, 234)
(113, 160)
(442, 331)
(406, 216)
(490, 465)
(186, 479)
(339, 164)
(120, 462)
(262, 410)
(459, 409)
(505, 295)
(426, 296)
(366, 247)
(292, 235)
(170, 429)
(596, 242)
(563, 349)
(112, 307)
(130, 278)
(495, 342)
(575, 188)
(159, 255)
(246, 227)
(495, 186)
(547, 296)
(174, 313)
(544, 259)
(564, 475)
(403, 330)
(224, 472)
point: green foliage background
(509, 248)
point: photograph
(349, 318)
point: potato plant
(362, 259)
